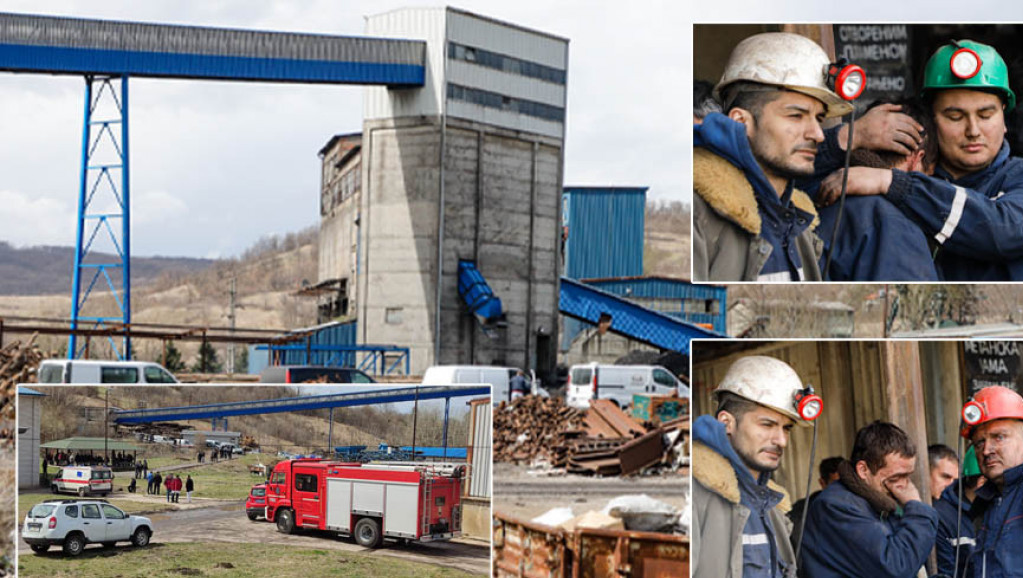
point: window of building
(501, 102)
(392, 315)
(506, 63)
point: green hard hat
(970, 465)
(993, 75)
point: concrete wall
(400, 200)
(590, 346)
(476, 518)
(501, 201)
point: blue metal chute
(477, 294)
(623, 317)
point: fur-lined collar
(716, 474)
(882, 504)
(724, 187)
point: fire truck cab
(367, 501)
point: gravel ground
(522, 494)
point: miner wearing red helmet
(993, 421)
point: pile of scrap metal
(625, 539)
(603, 440)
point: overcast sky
(216, 165)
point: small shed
(29, 413)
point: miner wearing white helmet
(749, 222)
(739, 527)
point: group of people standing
(172, 485)
(869, 520)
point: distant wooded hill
(48, 270)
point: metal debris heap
(603, 440)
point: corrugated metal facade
(516, 92)
(332, 334)
(424, 24)
(679, 299)
(76, 46)
(481, 445)
(605, 231)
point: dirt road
(228, 524)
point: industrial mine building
(459, 178)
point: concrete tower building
(467, 168)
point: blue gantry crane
(107, 53)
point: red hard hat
(989, 404)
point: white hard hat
(785, 60)
(766, 381)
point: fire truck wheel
(367, 533)
(285, 522)
(252, 515)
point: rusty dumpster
(528, 550)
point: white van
(497, 377)
(83, 480)
(618, 383)
(91, 371)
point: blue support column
(104, 154)
(126, 220)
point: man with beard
(973, 204)
(993, 417)
(871, 522)
(739, 526)
(749, 223)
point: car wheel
(74, 544)
(140, 538)
(367, 533)
(39, 548)
(285, 522)
(252, 515)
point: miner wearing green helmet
(972, 206)
(952, 533)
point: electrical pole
(231, 318)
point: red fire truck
(367, 501)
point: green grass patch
(226, 480)
(26, 501)
(224, 560)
